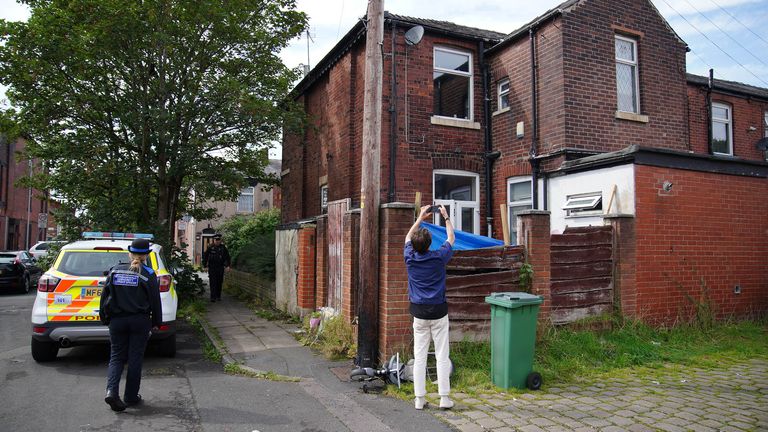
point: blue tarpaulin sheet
(464, 240)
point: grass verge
(566, 356)
(192, 311)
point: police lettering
(86, 317)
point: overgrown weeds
(564, 355)
(334, 336)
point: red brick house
(585, 115)
(21, 208)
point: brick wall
(305, 280)
(395, 322)
(624, 264)
(697, 242)
(534, 234)
(746, 113)
(242, 282)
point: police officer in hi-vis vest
(130, 305)
(216, 259)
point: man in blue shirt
(426, 292)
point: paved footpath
(676, 399)
(732, 398)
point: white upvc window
(519, 199)
(503, 92)
(245, 200)
(627, 82)
(585, 204)
(722, 129)
(458, 191)
(324, 199)
(765, 130)
(452, 84)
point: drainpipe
(709, 109)
(392, 119)
(534, 123)
(489, 156)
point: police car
(66, 310)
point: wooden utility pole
(370, 191)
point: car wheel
(167, 346)
(44, 351)
(25, 287)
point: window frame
(515, 204)
(324, 199)
(501, 93)
(635, 71)
(455, 204)
(243, 193)
(729, 124)
(469, 74)
(765, 130)
(592, 207)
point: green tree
(132, 105)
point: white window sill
(640, 118)
(460, 123)
(501, 111)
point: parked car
(18, 271)
(66, 310)
(40, 248)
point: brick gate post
(624, 264)
(534, 233)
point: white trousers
(423, 332)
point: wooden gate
(582, 273)
(336, 211)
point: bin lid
(513, 299)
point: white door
(464, 215)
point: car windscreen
(6, 258)
(91, 263)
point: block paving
(733, 397)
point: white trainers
(419, 403)
(446, 403)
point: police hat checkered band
(139, 246)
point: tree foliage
(133, 105)
(240, 231)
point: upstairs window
(722, 134)
(503, 92)
(452, 84)
(765, 130)
(245, 200)
(627, 87)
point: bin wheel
(533, 382)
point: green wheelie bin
(513, 336)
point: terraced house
(584, 117)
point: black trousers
(215, 279)
(128, 336)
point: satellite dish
(414, 35)
(762, 144)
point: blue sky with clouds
(729, 36)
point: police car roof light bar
(102, 235)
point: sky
(724, 35)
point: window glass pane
(454, 187)
(467, 219)
(765, 124)
(720, 138)
(245, 201)
(520, 191)
(504, 87)
(451, 93)
(720, 112)
(504, 101)
(625, 87)
(452, 61)
(625, 50)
